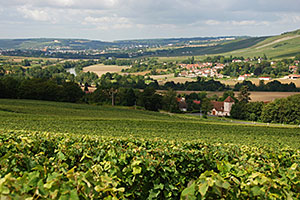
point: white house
(294, 76)
(265, 78)
(243, 77)
(222, 109)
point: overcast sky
(134, 19)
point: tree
(254, 110)
(285, 110)
(227, 94)
(2, 71)
(71, 92)
(149, 99)
(10, 88)
(125, 97)
(239, 110)
(244, 95)
(265, 57)
(206, 106)
(169, 101)
(86, 87)
(25, 63)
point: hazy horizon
(111, 20)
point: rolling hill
(41, 43)
(281, 46)
(83, 44)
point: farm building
(244, 77)
(265, 78)
(294, 76)
(182, 104)
(222, 109)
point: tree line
(283, 110)
(40, 89)
(273, 86)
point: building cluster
(201, 70)
(219, 108)
(244, 77)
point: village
(214, 70)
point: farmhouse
(294, 76)
(293, 69)
(222, 108)
(265, 78)
(182, 104)
(244, 77)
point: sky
(110, 20)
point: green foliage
(254, 110)
(126, 97)
(239, 111)
(108, 121)
(40, 89)
(231, 181)
(169, 102)
(149, 99)
(60, 166)
(244, 95)
(286, 110)
(53, 150)
(227, 94)
(206, 106)
(270, 86)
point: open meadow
(162, 79)
(101, 69)
(73, 151)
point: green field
(123, 122)
(275, 47)
(74, 151)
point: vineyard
(54, 150)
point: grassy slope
(218, 49)
(285, 45)
(123, 122)
(281, 46)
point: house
(237, 61)
(182, 104)
(243, 77)
(294, 76)
(197, 102)
(265, 78)
(222, 109)
(293, 69)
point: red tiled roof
(196, 102)
(219, 106)
(229, 99)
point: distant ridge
(281, 46)
(82, 44)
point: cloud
(149, 18)
(212, 22)
(101, 20)
(34, 14)
(244, 23)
